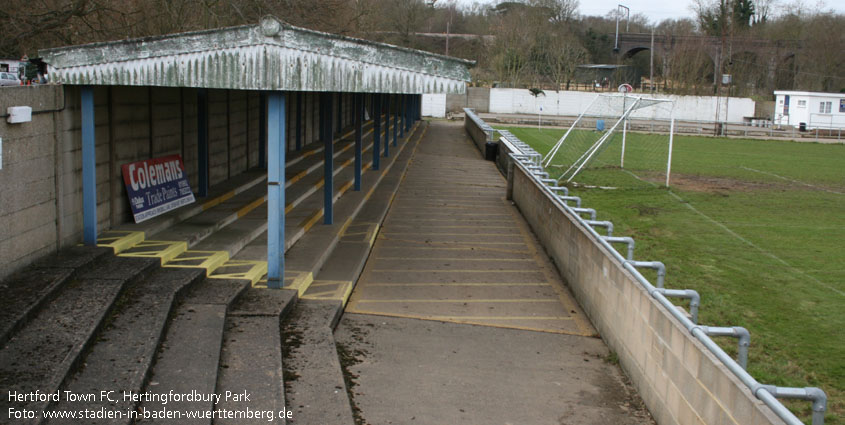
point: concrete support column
(376, 130)
(89, 168)
(202, 142)
(276, 190)
(358, 109)
(328, 157)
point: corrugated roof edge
(101, 44)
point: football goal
(618, 137)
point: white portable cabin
(815, 110)
(10, 65)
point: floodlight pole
(627, 25)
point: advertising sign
(156, 186)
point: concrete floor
(459, 317)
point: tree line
(763, 45)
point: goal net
(620, 140)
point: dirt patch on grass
(710, 184)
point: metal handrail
(765, 393)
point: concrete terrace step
(314, 385)
(251, 357)
(25, 292)
(126, 346)
(46, 349)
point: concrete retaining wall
(478, 131)
(477, 98)
(681, 382)
(41, 175)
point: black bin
(802, 126)
(490, 151)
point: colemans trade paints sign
(156, 186)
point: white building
(814, 110)
(9, 65)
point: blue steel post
(276, 190)
(358, 109)
(299, 120)
(262, 130)
(202, 142)
(396, 123)
(328, 161)
(376, 130)
(89, 169)
(387, 125)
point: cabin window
(824, 107)
(802, 103)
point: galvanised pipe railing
(621, 239)
(577, 201)
(589, 211)
(737, 332)
(690, 294)
(657, 265)
(766, 393)
(606, 224)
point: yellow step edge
(121, 241)
(211, 260)
(254, 271)
(168, 251)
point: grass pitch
(757, 227)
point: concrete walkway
(459, 317)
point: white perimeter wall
(572, 103)
(434, 105)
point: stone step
(188, 360)
(251, 356)
(121, 358)
(26, 291)
(46, 349)
(314, 387)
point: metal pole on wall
(276, 147)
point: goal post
(631, 134)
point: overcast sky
(658, 10)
